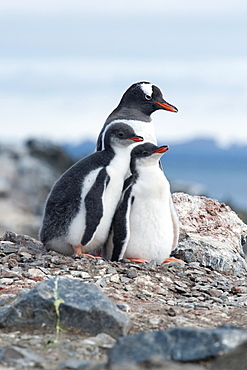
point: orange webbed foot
(77, 249)
(137, 260)
(172, 259)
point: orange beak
(136, 138)
(162, 149)
(167, 106)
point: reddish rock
(210, 233)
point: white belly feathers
(151, 226)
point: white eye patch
(147, 89)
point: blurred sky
(64, 66)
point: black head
(146, 153)
(120, 134)
(145, 97)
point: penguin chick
(80, 207)
(135, 108)
(145, 225)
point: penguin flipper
(120, 226)
(118, 231)
(94, 205)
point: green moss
(57, 302)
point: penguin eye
(120, 134)
(145, 152)
(148, 97)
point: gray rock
(218, 300)
(17, 240)
(27, 175)
(111, 270)
(82, 308)
(211, 254)
(123, 307)
(125, 280)
(49, 152)
(101, 340)
(239, 289)
(21, 357)
(131, 273)
(171, 311)
(7, 273)
(234, 360)
(179, 344)
(211, 234)
(101, 282)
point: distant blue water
(223, 175)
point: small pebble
(132, 273)
(101, 282)
(111, 270)
(171, 303)
(154, 320)
(12, 263)
(123, 307)
(188, 305)
(35, 272)
(218, 300)
(114, 278)
(161, 291)
(44, 270)
(25, 255)
(6, 281)
(124, 280)
(128, 287)
(194, 264)
(239, 290)
(171, 311)
(202, 305)
(224, 297)
(81, 274)
(150, 264)
(215, 292)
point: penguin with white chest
(81, 204)
(135, 108)
(145, 226)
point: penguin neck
(146, 170)
(121, 159)
(153, 177)
(138, 165)
(127, 113)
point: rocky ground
(155, 297)
(207, 291)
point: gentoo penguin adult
(137, 104)
(145, 226)
(81, 204)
